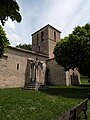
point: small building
(22, 68)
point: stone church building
(24, 68)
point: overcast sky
(61, 14)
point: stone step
(35, 86)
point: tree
(25, 46)
(74, 51)
(4, 42)
(9, 8)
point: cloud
(62, 14)
(11, 32)
(14, 39)
(10, 25)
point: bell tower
(45, 39)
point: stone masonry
(18, 67)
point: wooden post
(72, 114)
(89, 96)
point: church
(36, 68)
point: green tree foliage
(74, 50)
(9, 8)
(25, 46)
(4, 42)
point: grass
(84, 80)
(18, 104)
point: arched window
(42, 36)
(54, 36)
(37, 39)
(39, 49)
(18, 66)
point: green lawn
(84, 80)
(18, 104)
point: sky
(64, 15)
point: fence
(74, 112)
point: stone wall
(39, 45)
(13, 67)
(57, 76)
(50, 37)
(73, 77)
(51, 48)
(56, 73)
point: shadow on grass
(77, 92)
